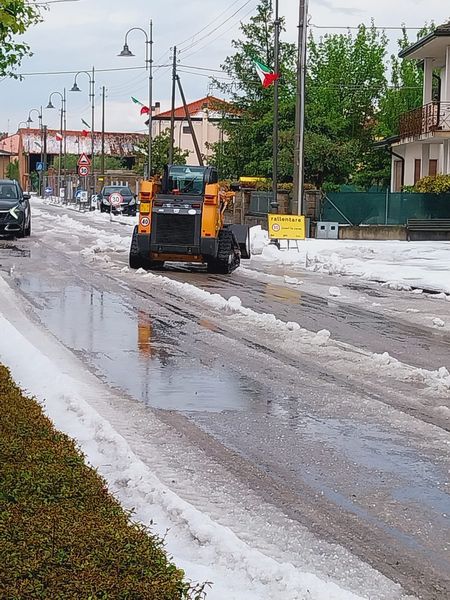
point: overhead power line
(210, 33)
(77, 71)
(399, 28)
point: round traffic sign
(83, 171)
(276, 227)
(145, 221)
(116, 199)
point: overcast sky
(85, 33)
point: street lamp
(18, 128)
(29, 121)
(62, 130)
(149, 66)
(75, 88)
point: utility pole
(299, 159)
(191, 125)
(103, 137)
(276, 49)
(150, 98)
(172, 116)
(44, 154)
(65, 145)
(92, 96)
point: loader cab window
(187, 180)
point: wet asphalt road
(328, 453)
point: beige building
(423, 145)
(205, 115)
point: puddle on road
(377, 450)
(136, 351)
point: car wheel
(28, 229)
(22, 233)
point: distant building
(27, 145)
(5, 159)
(206, 115)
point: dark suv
(128, 205)
(15, 211)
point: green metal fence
(383, 208)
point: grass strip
(62, 535)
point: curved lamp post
(149, 66)
(62, 130)
(29, 121)
(75, 88)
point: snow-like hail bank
(398, 265)
(206, 550)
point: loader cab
(180, 180)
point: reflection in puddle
(145, 356)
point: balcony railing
(427, 119)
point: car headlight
(132, 202)
(105, 201)
(15, 211)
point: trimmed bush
(438, 184)
(62, 535)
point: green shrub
(439, 184)
(62, 535)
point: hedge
(62, 534)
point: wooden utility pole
(191, 125)
(172, 116)
(299, 159)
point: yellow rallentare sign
(286, 227)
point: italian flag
(266, 75)
(144, 109)
(58, 137)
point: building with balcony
(423, 145)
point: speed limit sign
(83, 171)
(115, 199)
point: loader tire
(137, 261)
(228, 255)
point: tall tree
(16, 16)
(160, 154)
(247, 148)
(345, 81)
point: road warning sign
(286, 227)
(83, 161)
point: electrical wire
(368, 27)
(215, 28)
(191, 37)
(223, 34)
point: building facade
(27, 147)
(205, 115)
(423, 145)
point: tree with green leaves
(345, 81)
(16, 16)
(247, 145)
(160, 154)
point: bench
(427, 229)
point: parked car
(128, 205)
(15, 210)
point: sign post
(115, 199)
